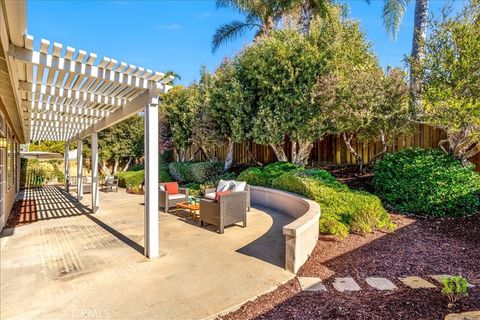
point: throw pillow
(171, 187)
(219, 194)
(239, 186)
(223, 185)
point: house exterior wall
(9, 167)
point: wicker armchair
(167, 201)
(210, 194)
(229, 209)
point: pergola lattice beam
(102, 72)
(135, 106)
(49, 91)
(60, 109)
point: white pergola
(68, 95)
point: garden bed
(417, 247)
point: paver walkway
(348, 284)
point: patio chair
(232, 185)
(110, 183)
(227, 210)
(169, 194)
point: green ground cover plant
(343, 210)
(427, 182)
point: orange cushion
(171, 187)
(221, 193)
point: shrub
(164, 173)
(198, 172)
(342, 210)
(454, 288)
(130, 179)
(264, 177)
(37, 173)
(427, 182)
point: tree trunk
(176, 155)
(348, 143)
(115, 167)
(417, 54)
(279, 152)
(305, 17)
(248, 145)
(383, 139)
(105, 169)
(303, 153)
(294, 152)
(229, 158)
(183, 154)
(128, 163)
(208, 155)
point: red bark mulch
(417, 247)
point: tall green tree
(179, 107)
(278, 75)
(122, 142)
(260, 15)
(451, 80)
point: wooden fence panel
(332, 150)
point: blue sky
(176, 35)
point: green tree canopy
(451, 80)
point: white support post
(95, 193)
(79, 170)
(65, 171)
(151, 181)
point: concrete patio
(64, 262)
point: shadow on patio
(52, 202)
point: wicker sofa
(229, 209)
(168, 200)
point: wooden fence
(332, 150)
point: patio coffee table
(191, 207)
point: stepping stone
(311, 284)
(346, 284)
(417, 282)
(380, 283)
(439, 278)
(469, 315)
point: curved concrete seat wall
(301, 235)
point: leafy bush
(36, 173)
(427, 182)
(198, 172)
(454, 288)
(164, 173)
(264, 177)
(342, 210)
(130, 179)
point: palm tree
(309, 9)
(393, 11)
(260, 15)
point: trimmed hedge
(130, 179)
(134, 177)
(342, 210)
(197, 172)
(264, 176)
(427, 182)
